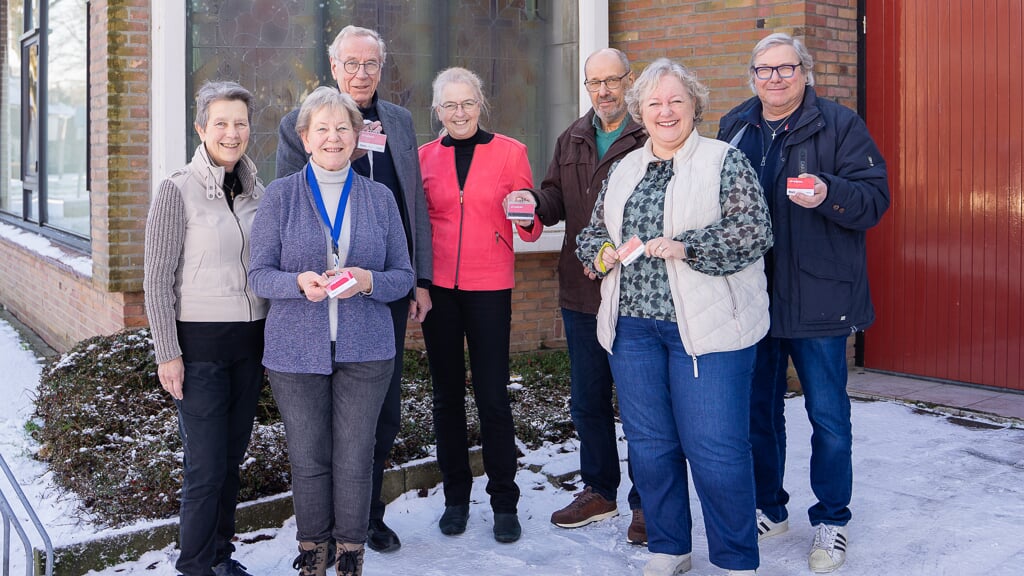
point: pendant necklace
(775, 129)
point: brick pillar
(119, 82)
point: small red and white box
(340, 282)
(520, 211)
(630, 251)
(803, 186)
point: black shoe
(506, 527)
(230, 567)
(381, 538)
(454, 519)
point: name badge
(520, 211)
(373, 141)
(803, 186)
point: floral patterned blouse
(725, 247)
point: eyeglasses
(371, 67)
(466, 105)
(609, 83)
(784, 70)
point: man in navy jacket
(817, 278)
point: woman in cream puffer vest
(680, 321)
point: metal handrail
(8, 516)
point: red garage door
(944, 101)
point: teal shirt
(605, 139)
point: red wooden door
(944, 102)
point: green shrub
(110, 432)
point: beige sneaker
(588, 506)
(829, 549)
(667, 565)
(766, 528)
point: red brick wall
(61, 305)
(715, 37)
(536, 317)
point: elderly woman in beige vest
(207, 323)
(678, 233)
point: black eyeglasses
(610, 83)
(371, 67)
(784, 70)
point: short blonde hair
(649, 79)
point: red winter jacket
(472, 239)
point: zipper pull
(460, 195)
(694, 366)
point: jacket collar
(212, 175)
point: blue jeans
(677, 409)
(215, 420)
(330, 423)
(591, 407)
(768, 428)
(821, 366)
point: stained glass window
(525, 52)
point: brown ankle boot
(314, 558)
(350, 559)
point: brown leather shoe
(588, 506)
(637, 532)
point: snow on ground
(932, 497)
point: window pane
(30, 122)
(10, 111)
(67, 196)
(524, 51)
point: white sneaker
(667, 565)
(829, 549)
(766, 528)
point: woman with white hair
(467, 174)
(678, 233)
(329, 253)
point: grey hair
(332, 98)
(782, 39)
(457, 75)
(211, 92)
(619, 53)
(356, 31)
(648, 81)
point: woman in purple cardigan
(329, 352)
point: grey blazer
(396, 122)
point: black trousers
(215, 419)
(484, 319)
(390, 420)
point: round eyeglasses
(371, 67)
(609, 83)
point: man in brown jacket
(583, 155)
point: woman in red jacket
(467, 173)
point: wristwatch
(691, 254)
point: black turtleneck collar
(481, 136)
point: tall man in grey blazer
(357, 59)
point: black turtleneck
(232, 187)
(464, 151)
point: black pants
(484, 318)
(390, 420)
(215, 419)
